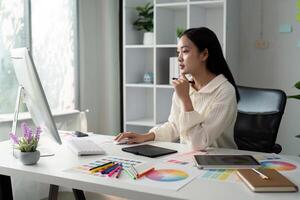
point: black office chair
(258, 119)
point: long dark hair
(204, 38)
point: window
(50, 31)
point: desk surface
(52, 170)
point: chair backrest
(259, 115)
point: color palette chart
(278, 165)
(167, 175)
(125, 162)
(220, 175)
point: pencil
(100, 166)
(129, 173)
(178, 78)
(120, 171)
(145, 172)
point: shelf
(208, 4)
(174, 15)
(158, 2)
(141, 122)
(165, 86)
(138, 62)
(166, 46)
(163, 108)
(139, 85)
(137, 46)
(173, 6)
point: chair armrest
(276, 149)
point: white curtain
(99, 64)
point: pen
(129, 173)
(100, 166)
(260, 174)
(111, 168)
(177, 79)
(119, 172)
(145, 172)
(113, 171)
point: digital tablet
(225, 161)
(148, 150)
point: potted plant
(297, 96)
(144, 22)
(179, 32)
(27, 144)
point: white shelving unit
(147, 105)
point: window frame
(5, 117)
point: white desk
(52, 170)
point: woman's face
(190, 60)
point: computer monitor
(34, 95)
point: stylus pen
(260, 174)
(178, 78)
(100, 166)
(145, 172)
(129, 173)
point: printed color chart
(167, 175)
(278, 165)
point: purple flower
(14, 138)
(27, 131)
(38, 133)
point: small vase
(29, 158)
(148, 38)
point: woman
(203, 113)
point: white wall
(99, 64)
(275, 67)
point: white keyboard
(84, 147)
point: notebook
(225, 161)
(148, 150)
(276, 182)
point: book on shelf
(174, 70)
(266, 180)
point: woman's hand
(182, 89)
(133, 138)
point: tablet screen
(225, 160)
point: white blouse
(210, 124)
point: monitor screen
(33, 92)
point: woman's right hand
(134, 138)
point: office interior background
(93, 56)
(83, 56)
(76, 46)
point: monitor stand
(44, 151)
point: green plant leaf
(297, 85)
(144, 22)
(294, 97)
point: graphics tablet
(148, 150)
(225, 161)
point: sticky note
(298, 17)
(298, 4)
(285, 28)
